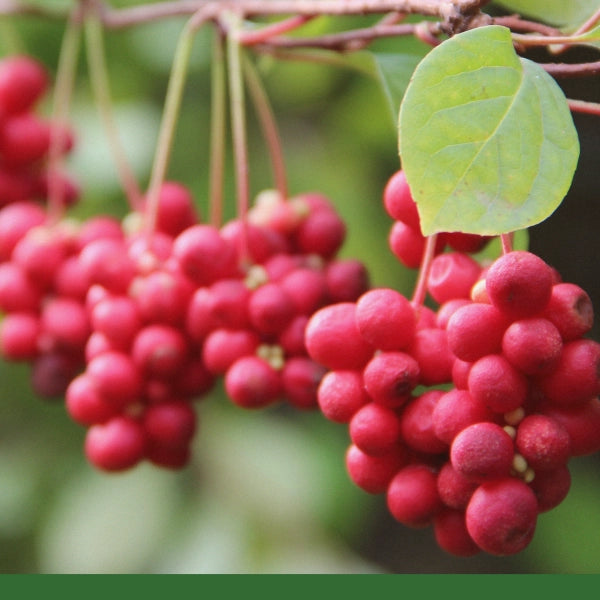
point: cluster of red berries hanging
(26, 136)
(465, 417)
(131, 326)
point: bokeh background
(266, 491)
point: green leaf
(394, 72)
(554, 12)
(486, 139)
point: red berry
(251, 382)
(390, 378)
(519, 283)
(300, 378)
(19, 333)
(386, 319)
(412, 496)
(570, 310)
(452, 275)
(171, 423)
(551, 487)
(454, 488)
(116, 445)
(451, 533)
(543, 442)
(375, 429)
(85, 404)
(332, 338)
(341, 394)
(497, 384)
(23, 81)
(398, 201)
(416, 423)
(501, 516)
(159, 351)
(482, 451)
(374, 473)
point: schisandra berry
(451, 533)
(390, 378)
(482, 451)
(375, 429)
(412, 496)
(501, 516)
(452, 275)
(374, 473)
(543, 442)
(341, 394)
(386, 319)
(519, 283)
(416, 423)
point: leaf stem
(98, 71)
(61, 102)
(238, 124)
(269, 125)
(217, 130)
(420, 290)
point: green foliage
(486, 138)
(555, 12)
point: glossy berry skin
(412, 496)
(452, 275)
(116, 445)
(519, 284)
(341, 394)
(502, 515)
(398, 201)
(373, 473)
(451, 533)
(476, 330)
(386, 319)
(417, 424)
(333, 340)
(570, 310)
(251, 382)
(375, 429)
(390, 378)
(23, 81)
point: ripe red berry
(300, 378)
(23, 81)
(452, 275)
(502, 515)
(332, 338)
(251, 382)
(543, 442)
(116, 445)
(451, 533)
(497, 384)
(532, 345)
(412, 496)
(159, 351)
(171, 423)
(570, 310)
(84, 403)
(407, 244)
(386, 319)
(19, 333)
(375, 429)
(519, 283)
(374, 473)
(551, 487)
(416, 423)
(116, 377)
(482, 451)
(454, 488)
(398, 201)
(390, 378)
(341, 394)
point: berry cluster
(26, 137)
(464, 416)
(132, 326)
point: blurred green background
(266, 491)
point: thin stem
(269, 125)
(580, 106)
(98, 71)
(589, 24)
(169, 122)
(238, 123)
(248, 38)
(420, 290)
(217, 130)
(564, 70)
(61, 102)
(506, 240)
